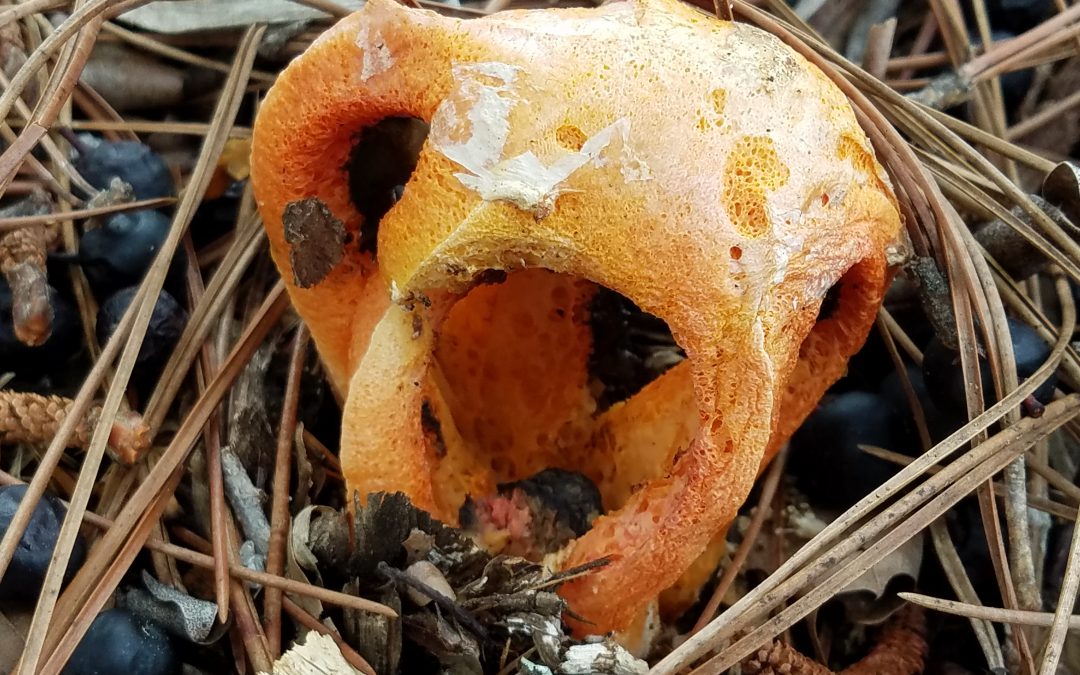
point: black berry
(1018, 15)
(25, 574)
(945, 380)
(825, 459)
(132, 162)
(120, 643)
(118, 253)
(166, 324)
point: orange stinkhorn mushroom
(698, 167)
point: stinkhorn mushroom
(700, 168)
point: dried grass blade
(16, 222)
(1055, 642)
(212, 443)
(962, 586)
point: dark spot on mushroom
(490, 276)
(429, 422)
(316, 239)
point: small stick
(444, 603)
(723, 10)
(1055, 642)
(22, 262)
(311, 441)
(879, 44)
(250, 632)
(279, 508)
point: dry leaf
(1062, 188)
(871, 599)
(318, 655)
(176, 612)
(426, 573)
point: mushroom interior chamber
(697, 171)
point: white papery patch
(375, 55)
(472, 125)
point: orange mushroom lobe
(453, 204)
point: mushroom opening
(631, 347)
(843, 310)
(379, 167)
(530, 367)
(843, 320)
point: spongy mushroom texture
(698, 167)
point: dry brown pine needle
(900, 650)
(33, 418)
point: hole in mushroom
(842, 302)
(831, 301)
(379, 167)
(631, 348)
(837, 333)
(518, 368)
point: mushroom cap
(698, 167)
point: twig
(879, 44)
(311, 441)
(444, 603)
(22, 262)
(279, 507)
(247, 625)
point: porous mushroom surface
(700, 168)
